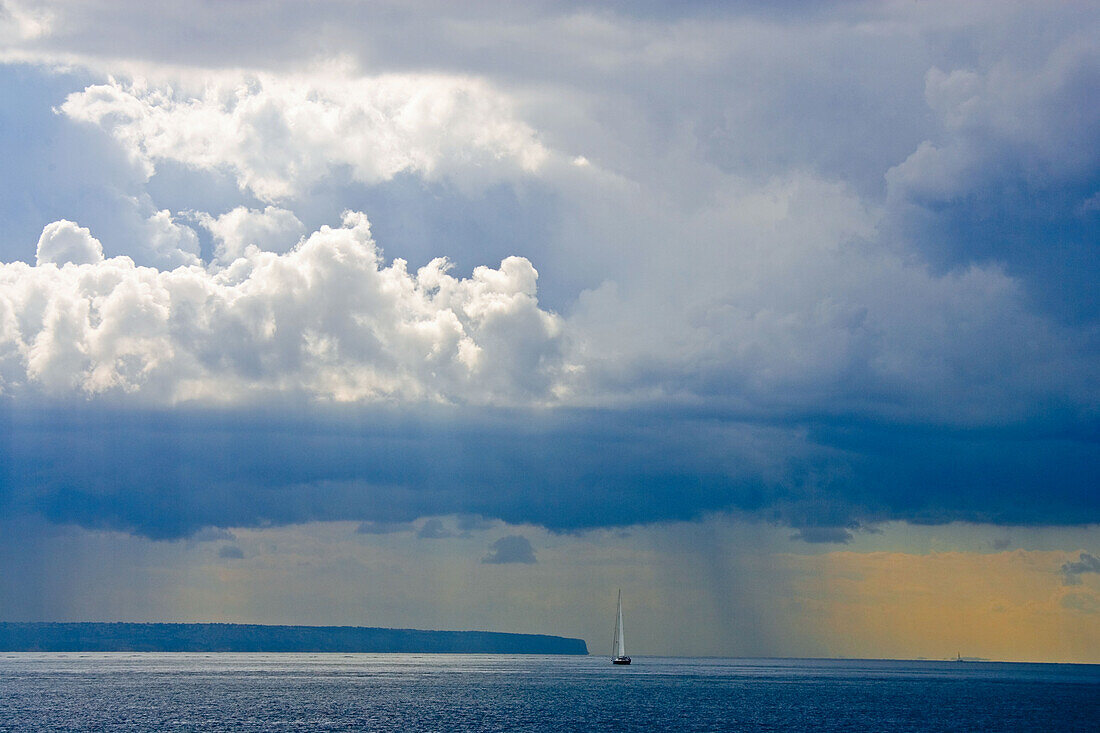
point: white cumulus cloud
(65, 241)
(279, 135)
(327, 320)
(169, 243)
(271, 229)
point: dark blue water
(396, 692)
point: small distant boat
(618, 652)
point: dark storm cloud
(511, 549)
(1081, 602)
(231, 552)
(433, 529)
(1010, 173)
(169, 474)
(1072, 571)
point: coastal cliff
(166, 637)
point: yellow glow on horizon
(1010, 606)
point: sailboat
(618, 652)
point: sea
(126, 691)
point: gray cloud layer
(511, 549)
(855, 284)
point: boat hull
(621, 660)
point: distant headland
(163, 637)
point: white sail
(620, 645)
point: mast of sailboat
(620, 644)
(618, 651)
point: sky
(780, 317)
